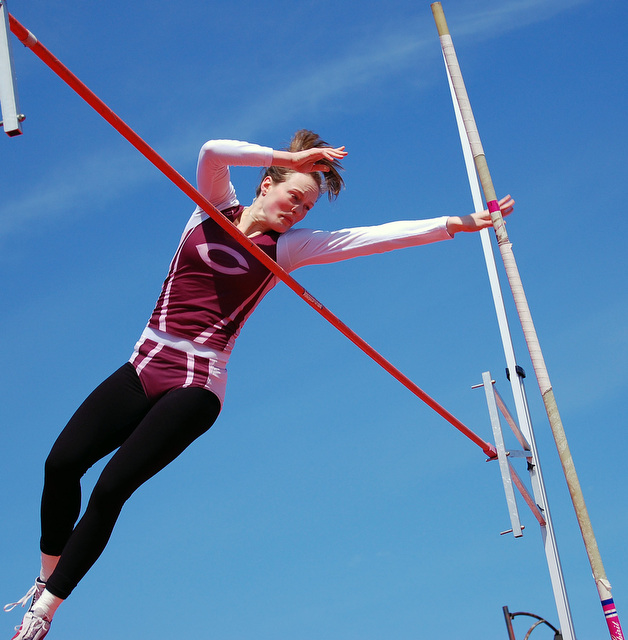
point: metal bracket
(509, 476)
(502, 456)
(11, 116)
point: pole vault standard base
(537, 502)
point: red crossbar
(30, 41)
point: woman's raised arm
(308, 161)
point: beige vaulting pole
(532, 341)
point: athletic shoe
(33, 628)
(34, 592)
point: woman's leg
(174, 421)
(97, 428)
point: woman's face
(286, 203)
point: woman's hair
(329, 182)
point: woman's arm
(212, 172)
(300, 247)
(216, 156)
(478, 221)
(308, 160)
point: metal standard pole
(11, 117)
(508, 618)
(601, 581)
(29, 40)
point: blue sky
(327, 501)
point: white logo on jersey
(204, 249)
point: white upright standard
(11, 116)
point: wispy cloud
(395, 49)
(484, 21)
(73, 188)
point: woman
(172, 389)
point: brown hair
(329, 182)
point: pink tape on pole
(612, 619)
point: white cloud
(73, 187)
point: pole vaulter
(30, 41)
(525, 317)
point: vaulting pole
(538, 363)
(30, 41)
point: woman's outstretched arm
(478, 221)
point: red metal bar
(511, 421)
(30, 41)
(525, 494)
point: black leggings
(149, 433)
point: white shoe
(33, 628)
(34, 592)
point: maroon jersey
(213, 285)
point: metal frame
(502, 456)
(538, 502)
(509, 617)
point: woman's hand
(478, 221)
(309, 160)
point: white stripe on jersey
(168, 286)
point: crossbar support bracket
(502, 455)
(11, 116)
